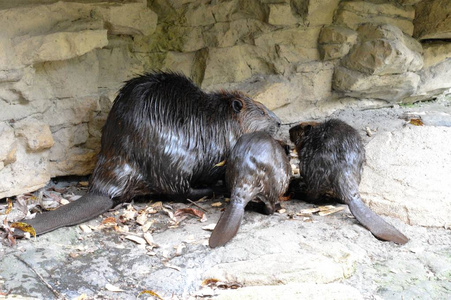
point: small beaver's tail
(227, 226)
(86, 208)
(374, 223)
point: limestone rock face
(381, 65)
(53, 72)
(414, 189)
(280, 14)
(390, 88)
(9, 145)
(434, 77)
(59, 46)
(38, 135)
(62, 63)
(432, 20)
(382, 50)
(335, 42)
(354, 13)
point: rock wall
(62, 63)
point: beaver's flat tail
(374, 223)
(86, 208)
(227, 226)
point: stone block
(27, 174)
(382, 57)
(8, 144)
(78, 161)
(228, 34)
(246, 9)
(128, 18)
(435, 53)
(355, 13)
(434, 81)
(302, 37)
(289, 47)
(78, 76)
(201, 15)
(40, 19)
(58, 46)
(432, 20)
(281, 14)
(179, 62)
(321, 12)
(337, 35)
(37, 135)
(404, 175)
(392, 88)
(333, 51)
(116, 66)
(310, 83)
(232, 64)
(335, 42)
(71, 111)
(8, 58)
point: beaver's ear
(294, 133)
(307, 129)
(237, 105)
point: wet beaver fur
(163, 135)
(331, 156)
(258, 169)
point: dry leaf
(109, 221)
(212, 282)
(81, 297)
(416, 122)
(221, 164)
(179, 250)
(309, 211)
(157, 205)
(10, 207)
(85, 228)
(142, 218)
(152, 293)
(83, 183)
(146, 226)
(216, 204)
(24, 227)
(209, 281)
(64, 201)
(171, 266)
(113, 288)
(285, 198)
(191, 211)
(149, 239)
(329, 209)
(170, 214)
(209, 227)
(136, 239)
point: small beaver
(258, 169)
(163, 135)
(331, 156)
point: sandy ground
(287, 255)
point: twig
(197, 205)
(55, 292)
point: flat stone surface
(281, 256)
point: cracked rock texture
(62, 63)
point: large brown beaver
(163, 135)
(331, 158)
(258, 169)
